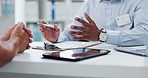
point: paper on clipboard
(76, 44)
(70, 45)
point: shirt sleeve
(135, 36)
(65, 36)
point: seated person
(15, 40)
(118, 22)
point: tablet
(76, 54)
(131, 50)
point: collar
(113, 0)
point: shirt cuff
(113, 37)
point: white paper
(75, 44)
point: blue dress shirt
(104, 14)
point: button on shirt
(104, 14)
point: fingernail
(76, 18)
(56, 29)
(38, 23)
(45, 21)
(69, 32)
(21, 22)
(72, 27)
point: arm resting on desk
(7, 51)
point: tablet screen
(75, 54)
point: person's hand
(89, 31)
(23, 35)
(50, 34)
(7, 34)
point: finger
(19, 26)
(30, 40)
(28, 30)
(14, 27)
(82, 21)
(78, 28)
(9, 31)
(42, 26)
(18, 30)
(44, 22)
(28, 47)
(88, 18)
(22, 25)
(25, 45)
(31, 35)
(25, 35)
(41, 30)
(76, 33)
(56, 27)
(43, 34)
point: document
(69, 45)
(76, 44)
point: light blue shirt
(104, 14)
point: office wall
(6, 15)
(64, 12)
(5, 23)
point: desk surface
(113, 65)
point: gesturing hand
(50, 34)
(89, 31)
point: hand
(23, 35)
(89, 31)
(50, 34)
(7, 34)
(30, 36)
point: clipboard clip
(50, 47)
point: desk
(114, 65)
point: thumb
(19, 26)
(56, 27)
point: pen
(48, 25)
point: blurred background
(59, 12)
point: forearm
(136, 35)
(132, 37)
(8, 50)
